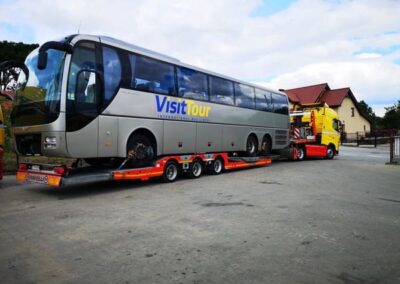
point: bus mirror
(42, 61)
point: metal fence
(381, 136)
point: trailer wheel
(330, 152)
(195, 169)
(171, 171)
(216, 166)
(251, 146)
(301, 153)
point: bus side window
(244, 96)
(112, 73)
(280, 103)
(263, 100)
(192, 84)
(221, 91)
(150, 75)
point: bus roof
(147, 52)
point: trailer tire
(301, 153)
(216, 166)
(330, 152)
(195, 169)
(251, 146)
(171, 171)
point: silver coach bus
(98, 98)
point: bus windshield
(39, 101)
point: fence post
(375, 140)
(358, 141)
(391, 150)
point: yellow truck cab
(316, 124)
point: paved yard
(315, 221)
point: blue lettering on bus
(184, 107)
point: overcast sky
(279, 44)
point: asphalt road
(317, 221)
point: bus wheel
(140, 150)
(216, 167)
(301, 153)
(171, 171)
(266, 146)
(251, 146)
(330, 152)
(195, 169)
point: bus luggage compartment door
(179, 137)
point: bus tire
(266, 146)
(142, 149)
(251, 146)
(216, 166)
(171, 171)
(195, 169)
(301, 153)
(330, 152)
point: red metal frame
(54, 177)
(158, 169)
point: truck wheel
(301, 153)
(195, 169)
(251, 146)
(330, 152)
(216, 167)
(171, 171)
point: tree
(12, 55)
(15, 51)
(391, 119)
(368, 111)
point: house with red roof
(341, 100)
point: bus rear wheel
(251, 146)
(266, 146)
(171, 171)
(196, 169)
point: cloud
(368, 55)
(374, 82)
(306, 42)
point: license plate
(37, 178)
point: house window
(352, 112)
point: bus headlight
(50, 143)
